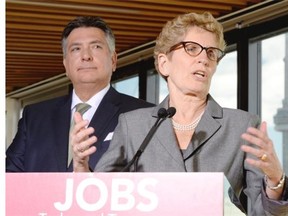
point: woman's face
(186, 74)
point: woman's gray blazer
(215, 147)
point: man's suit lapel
(104, 121)
(61, 125)
(103, 118)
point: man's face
(88, 60)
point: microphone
(171, 112)
(162, 113)
(161, 116)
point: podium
(114, 194)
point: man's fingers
(77, 117)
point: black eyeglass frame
(183, 44)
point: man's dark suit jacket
(41, 142)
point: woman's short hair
(176, 29)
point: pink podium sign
(114, 194)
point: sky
(273, 78)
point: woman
(202, 136)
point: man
(89, 57)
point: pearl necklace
(188, 127)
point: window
(224, 83)
(163, 89)
(128, 86)
(272, 91)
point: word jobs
(124, 195)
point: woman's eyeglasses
(194, 49)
